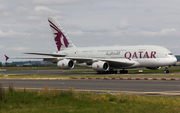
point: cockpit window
(170, 54)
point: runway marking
(128, 78)
(173, 93)
(97, 78)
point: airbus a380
(104, 59)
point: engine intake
(65, 64)
(100, 66)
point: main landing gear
(111, 71)
(107, 72)
(123, 71)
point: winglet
(6, 57)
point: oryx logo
(62, 64)
(97, 66)
(60, 39)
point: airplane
(104, 60)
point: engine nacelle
(65, 64)
(153, 68)
(100, 66)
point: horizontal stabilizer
(6, 57)
(51, 59)
(54, 55)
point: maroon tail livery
(6, 57)
(58, 37)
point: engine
(153, 68)
(100, 66)
(65, 64)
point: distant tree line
(27, 64)
(9, 64)
(178, 57)
(0, 64)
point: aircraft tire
(107, 72)
(123, 71)
(166, 71)
(115, 72)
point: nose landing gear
(166, 70)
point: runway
(49, 72)
(142, 87)
(115, 86)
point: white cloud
(123, 24)
(18, 49)
(11, 33)
(41, 8)
(45, 11)
(41, 12)
(4, 11)
(2, 8)
(75, 33)
(2, 47)
(163, 32)
(56, 2)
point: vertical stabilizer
(61, 39)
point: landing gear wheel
(115, 72)
(123, 71)
(107, 72)
(166, 71)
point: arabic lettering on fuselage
(140, 54)
(113, 53)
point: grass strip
(2, 76)
(46, 101)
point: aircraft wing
(112, 62)
(119, 62)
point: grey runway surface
(119, 86)
(66, 72)
(48, 72)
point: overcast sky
(24, 26)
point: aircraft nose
(173, 60)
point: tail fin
(60, 37)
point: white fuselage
(141, 56)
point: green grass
(2, 76)
(54, 101)
(11, 76)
